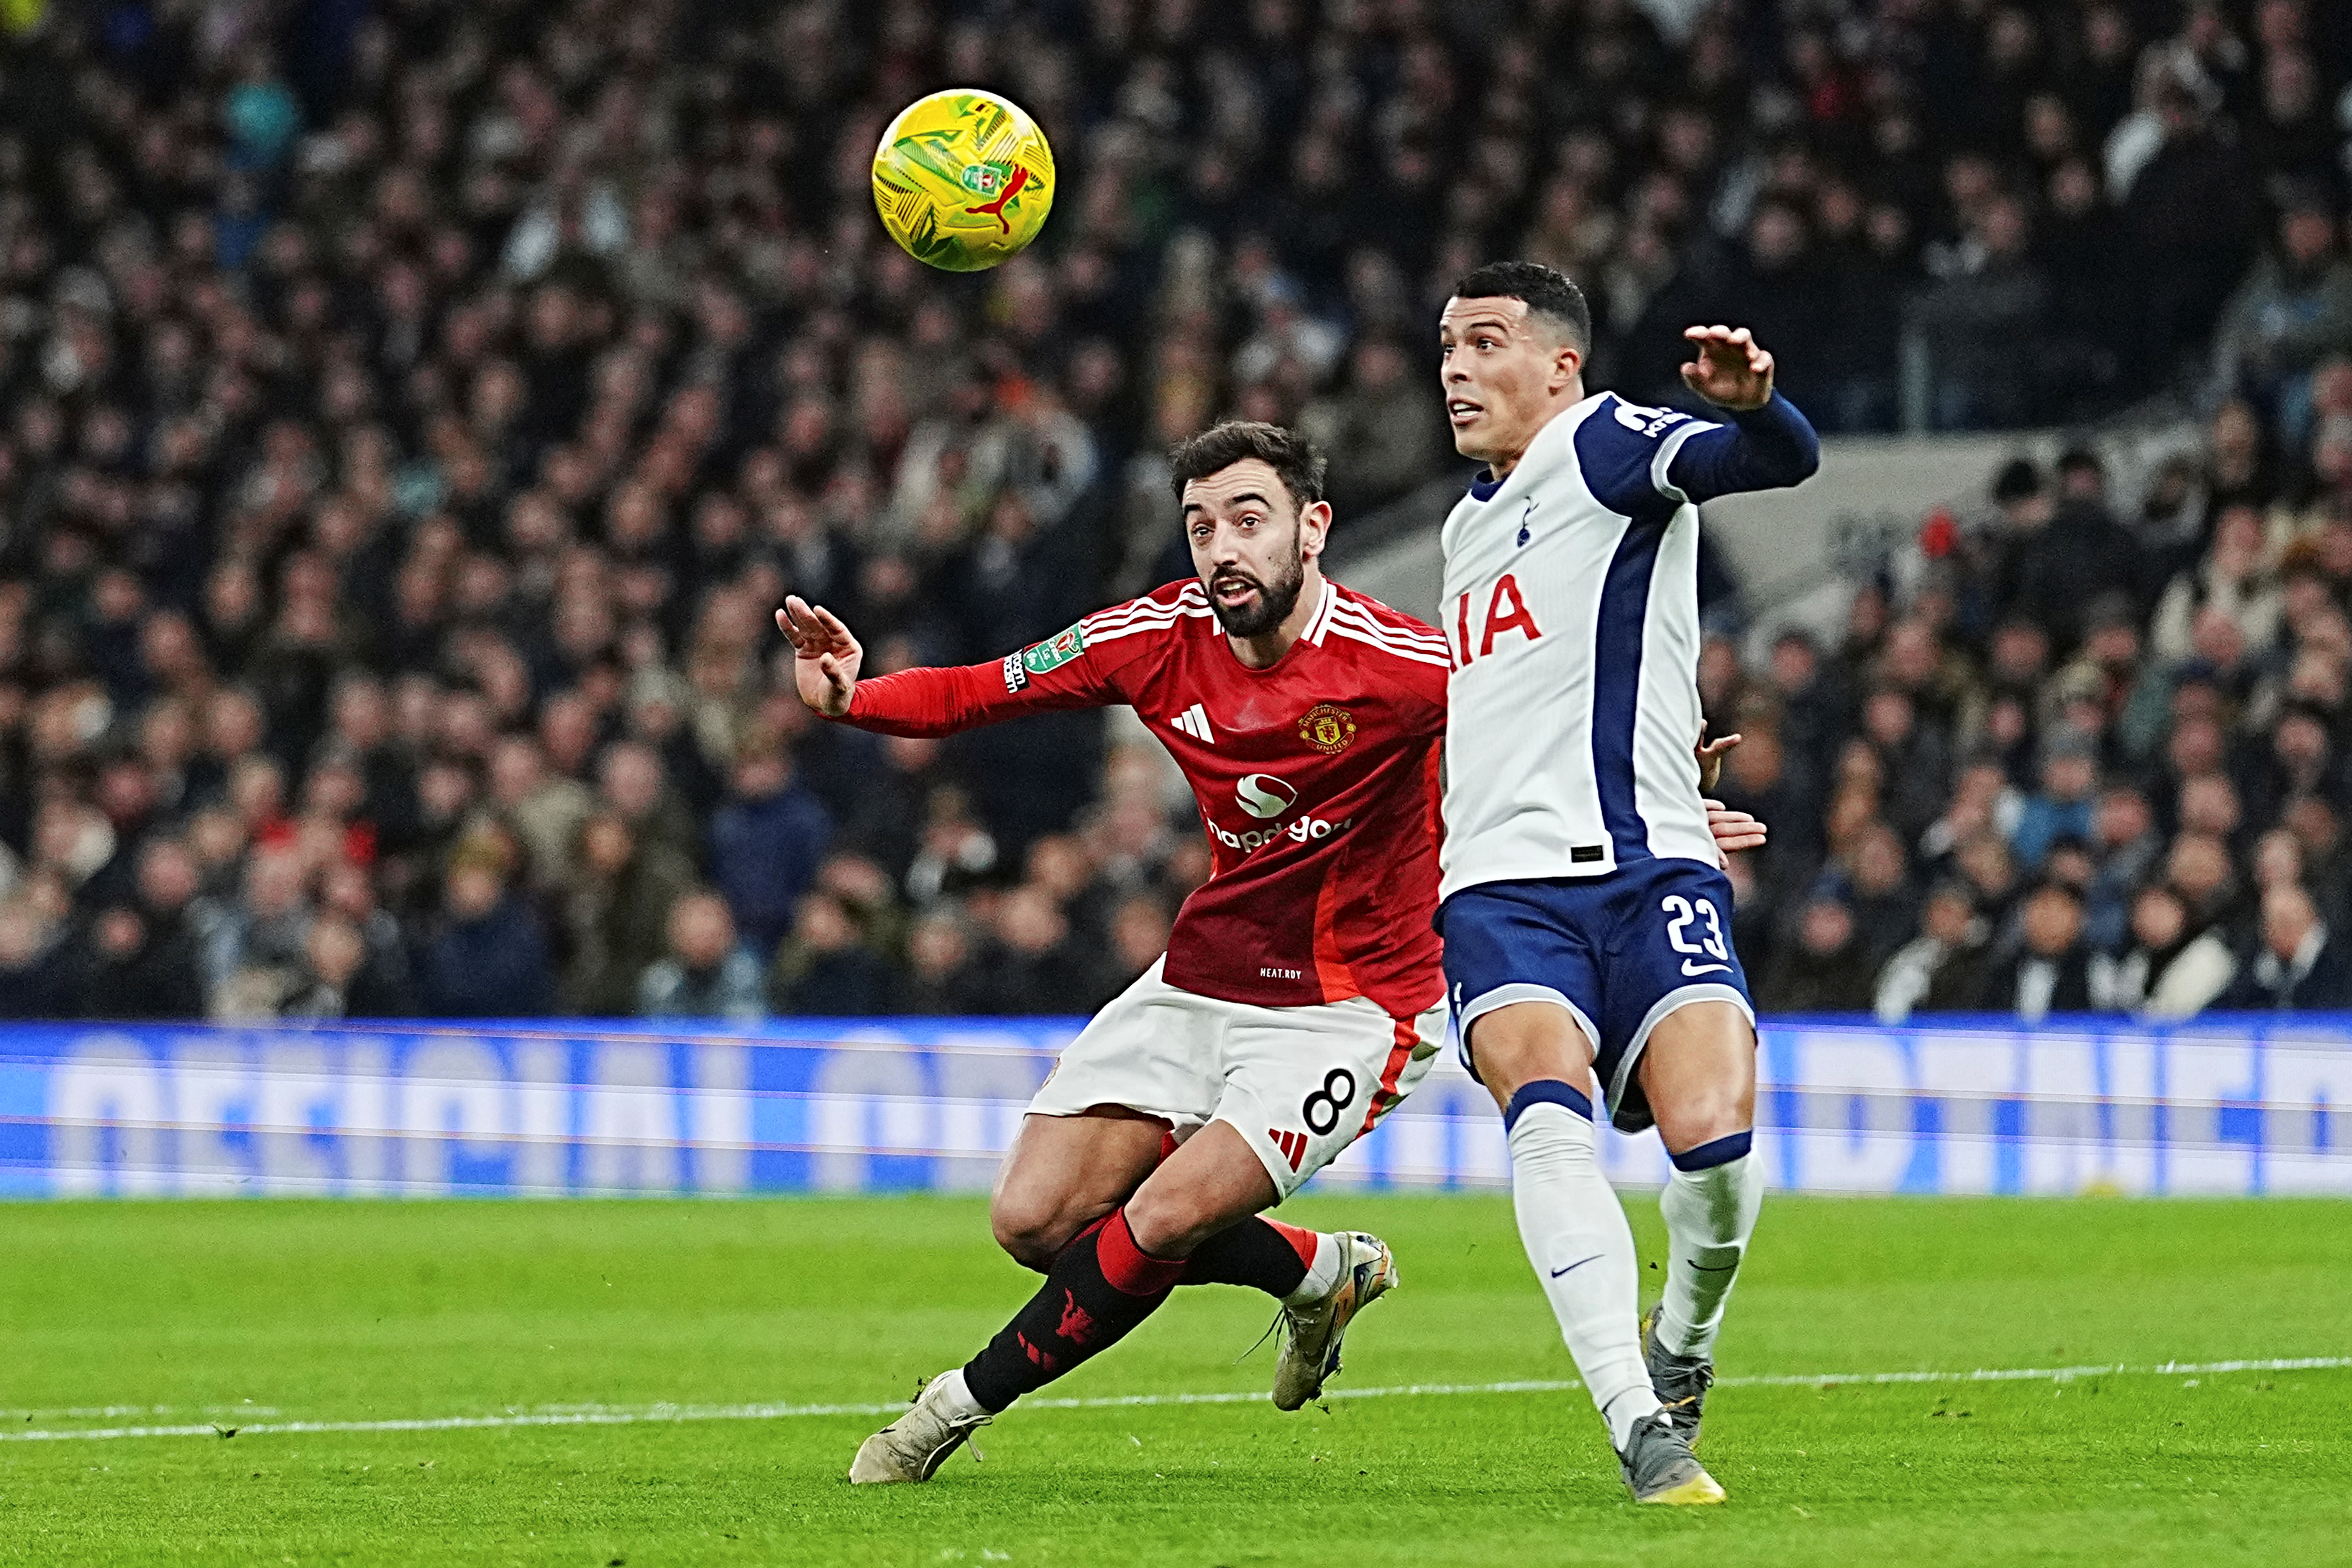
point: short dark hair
(2018, 479)
(1291, 455)
(1546, 290)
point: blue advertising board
(2235, 1105)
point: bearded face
(1249, 606)
(1250, 542)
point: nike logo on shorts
(1580, 1263)
(1690, 968)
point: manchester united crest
(1328, 728)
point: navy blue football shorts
(1619, 951)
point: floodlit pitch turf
(258, 1314)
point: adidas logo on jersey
(1194, 722)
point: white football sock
(1710, 1214)
(1321, 1274)
(1582, 1249)
(957, 1397)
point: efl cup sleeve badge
(1054, 653)
(1328, 728)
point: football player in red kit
(1300, 998)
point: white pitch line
(655, 1415)
(87, 1412)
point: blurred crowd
(2074, 751)
(410, 410)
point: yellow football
(964, 179)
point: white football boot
(1310, 1348)
(917, 1443)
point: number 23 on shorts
(1706, 955)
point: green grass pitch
(259, 1315)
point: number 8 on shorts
(1323, 1108)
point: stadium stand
(410, 411)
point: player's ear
(1314, 527)
(1566, 363)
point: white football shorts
(1301, 1083)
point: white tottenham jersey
(1571, 600)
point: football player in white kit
(1586, 918)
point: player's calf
(1533, 1056)
(1264, 1255)
(1097, 1291)
(1212, 1182)
(1699, 1076)
(1101, 1286)
(1709, 1204)
(1323, 1282)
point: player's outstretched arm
(1767, 446)
(826, 657)
(929, 704)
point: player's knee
(1702, 1118)
(1699, 1075)
(1033, 1231)
(1032, 1246)
(1518, 1044)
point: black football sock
(1259, 1252)
(1100, 1286)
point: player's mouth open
(1462, 411)
(1233, 590)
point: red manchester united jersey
(1317, 780)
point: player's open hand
(1733, 831)
(1710, 755)
(826, 657)
(1730, 370)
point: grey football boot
(1681, 1382)
(1659, 1468)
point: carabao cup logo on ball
(962, 179)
